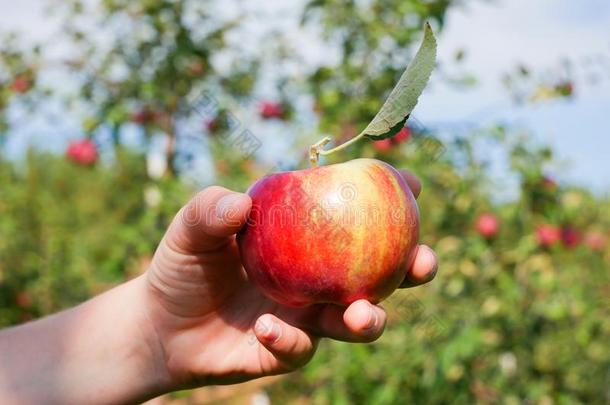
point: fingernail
(432, 274)
(373, 319)
(271, 331)
(226, 205)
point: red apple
(83, 152)
(549, 184)
(384, 145)
(21, 84)
(547, 235)
(143, 116)
(487, 225)
(330, 234)
(595, 240)
(402, 136)
(270, 110)
(570, 236)
(212, 125)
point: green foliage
(18, 73)
(68, 232)
(374, 39)
(506, 320)
(158, 63)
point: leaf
(403, 97)
(393, 131)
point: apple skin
(384, 145)
(570, 236)
(83, 152)
(547, 235)
(487, 225)
(595, 240)
(330, 234)
(270, 110)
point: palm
(214, 317)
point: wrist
(102, 351)
(144, 346)
(120, 346)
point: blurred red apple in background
(595, 240)
(143, 116)
(21, 84)
(270, 110)
(83, 152)
(383, 145)
(212, 125)
(570, 236)
(331, 234)
(549, 184)
(487, 225)
(547, 235)
(402, 136)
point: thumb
(208, 220)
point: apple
(383, 146)
(487, 225)
(143, 117)
(330, 234)
(547, 235)
(212, 125)
(595, 240)
(549, 184)
(222, 121)
(83, 152)
(402, 136)
(270, 110)
(21, 84)
(570, 236)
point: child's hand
(214, 327)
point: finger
(365, 320)
(206, 221)
(412, 181)
(290, 347)
(423, 269)
(360, 322)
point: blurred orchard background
(114, 112)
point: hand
(214, 327)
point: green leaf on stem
(403, 98)
(393, 131)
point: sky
(497, 36)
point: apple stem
(315, 151)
